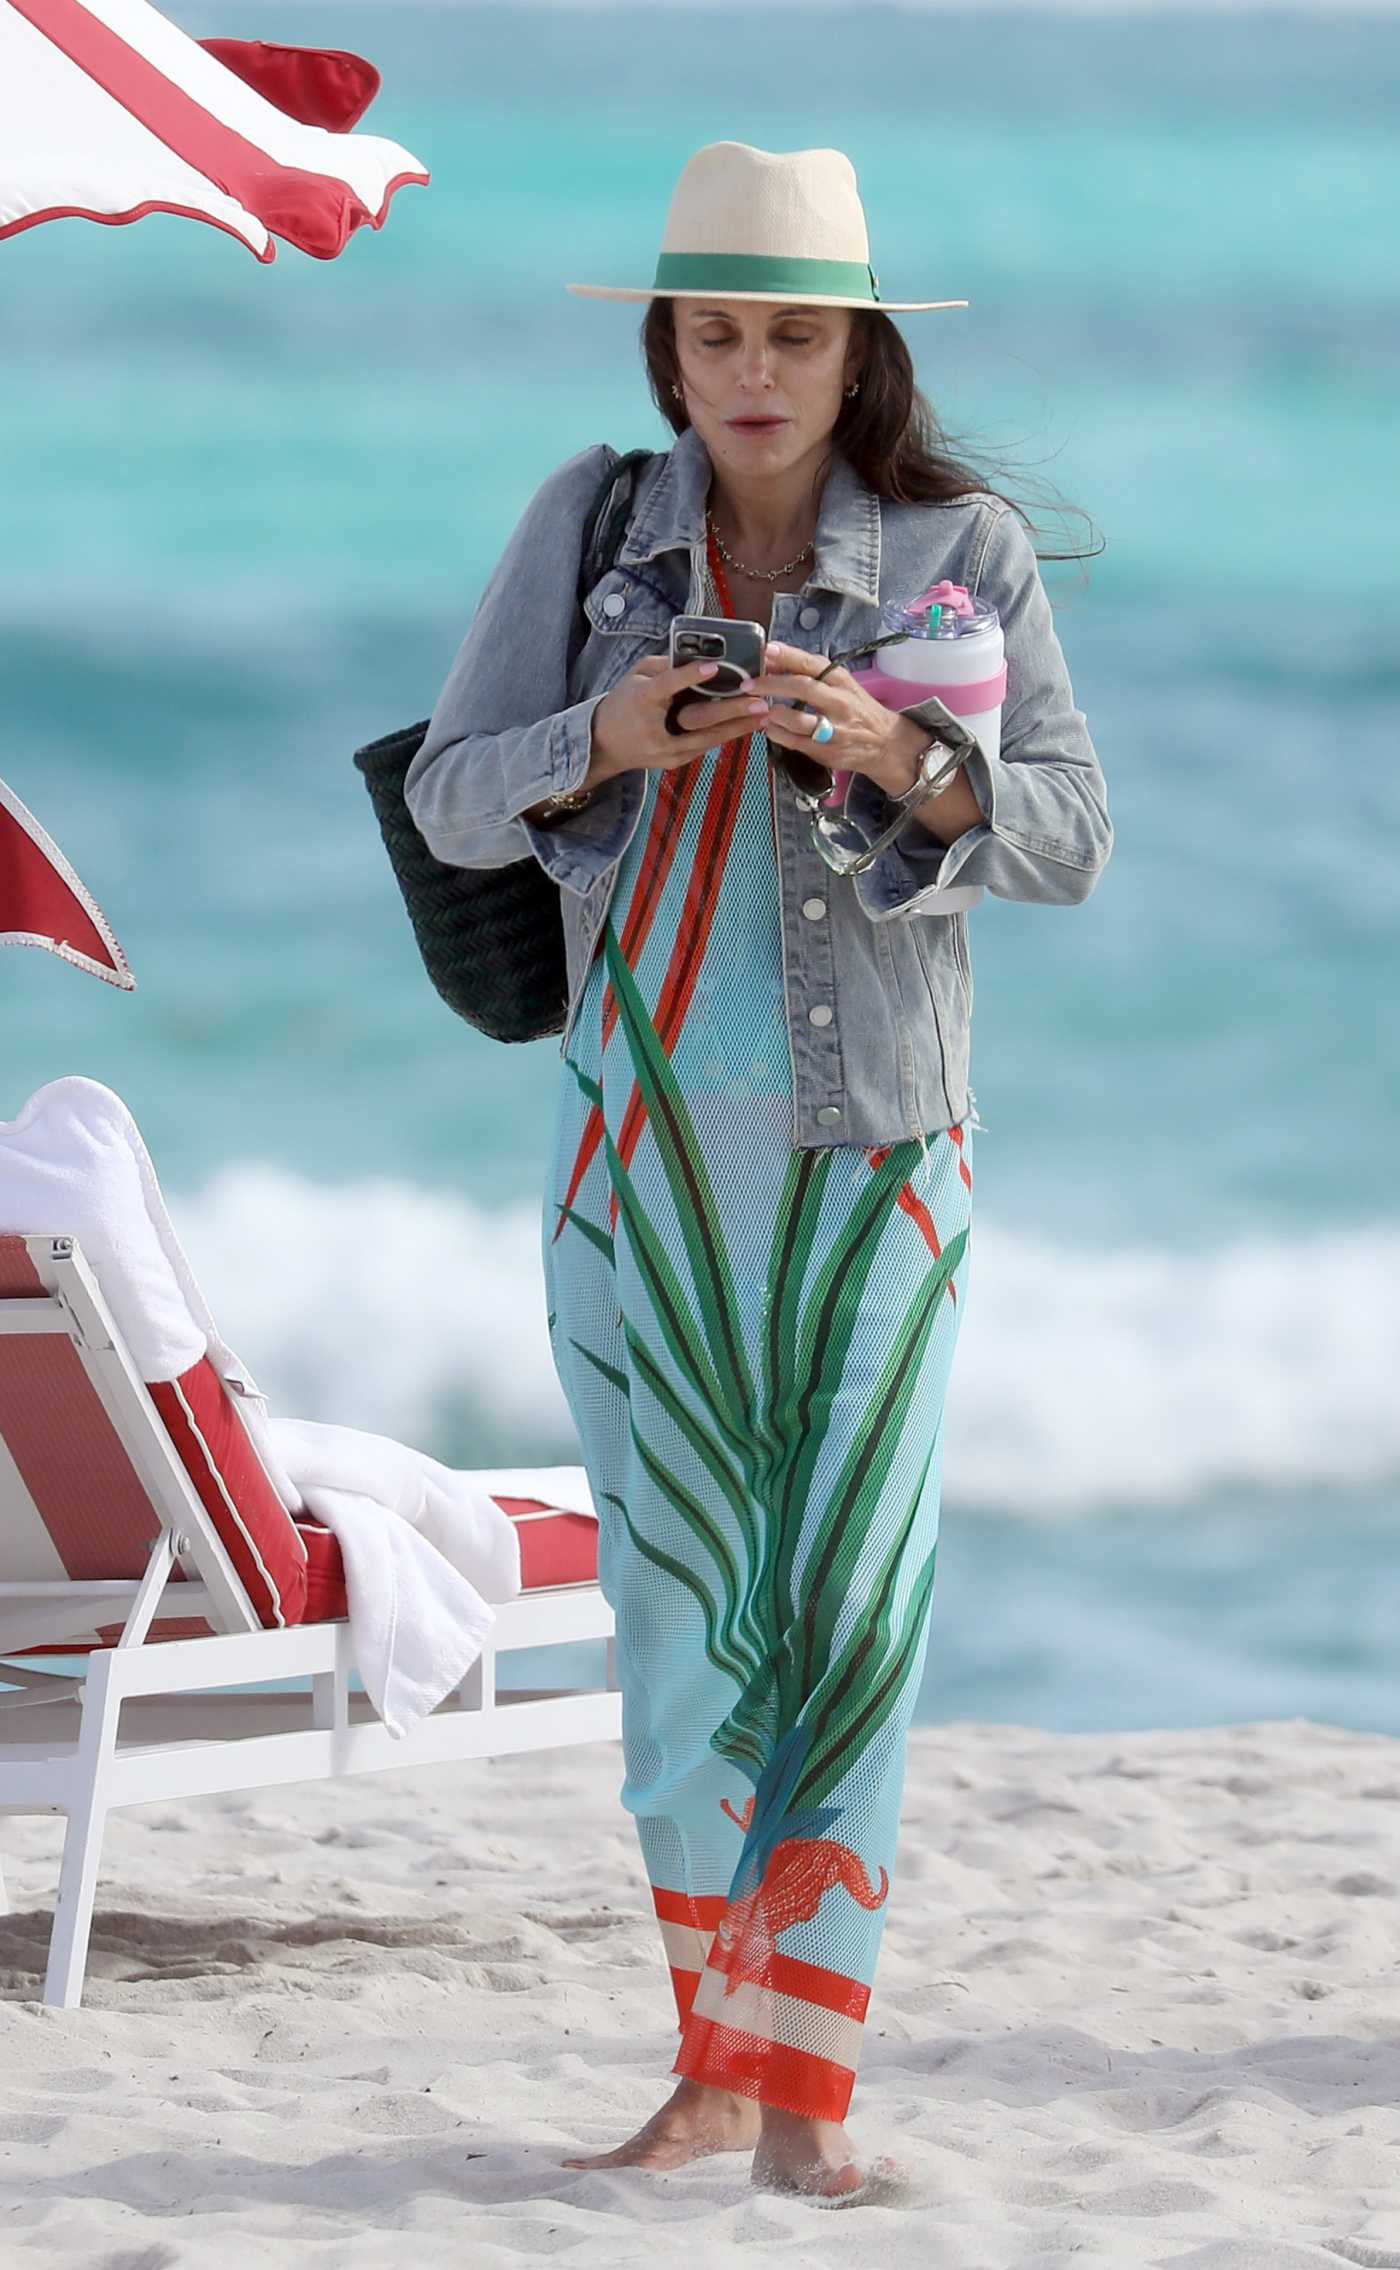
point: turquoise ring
(823, 731)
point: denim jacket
(878, 993)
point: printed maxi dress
(754, 1341)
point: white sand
(1137, 2004)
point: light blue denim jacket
(512, 727)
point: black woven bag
(492, 938)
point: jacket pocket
(624, 605)
(938, 1058)
(615, 642)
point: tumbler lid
(941, 618)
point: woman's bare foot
(813, 2158)
(691, 2124)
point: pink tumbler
(952, 647)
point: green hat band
(722, 272)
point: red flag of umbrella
(43, 903)
(108, 112)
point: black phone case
(748, 655)
(702, 693)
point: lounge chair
(139, 1531)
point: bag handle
(603, 532)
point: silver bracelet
(554, 807)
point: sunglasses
(841, 841)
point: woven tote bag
(492, 938)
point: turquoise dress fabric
(755, 1343)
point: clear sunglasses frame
(842, 843)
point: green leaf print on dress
(817, 1643)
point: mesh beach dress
(754, 1341)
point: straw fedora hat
(749, 224)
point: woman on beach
(755, 1237)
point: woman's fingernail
(759, 708)
(708, 669)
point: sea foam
(1083, 1381)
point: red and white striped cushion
(236, 1491)
(555, 1548)
(75, 1505)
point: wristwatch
(939, 766)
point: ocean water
(246, 513)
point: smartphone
(738, 648)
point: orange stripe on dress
(698, 1912)
(791, 2079)
(673, 795)
(701, 1910)
(702, 896)
(807, 1982)
(697, 916)
(956, 1136)
(667, 824)
(915, 1208)
(693, 933)
(685, 1985)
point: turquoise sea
(244, 516)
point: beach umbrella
(43, 903)
(108, 112)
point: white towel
(425, 1549)
(72, 1164)
(452, 1511)
(416, 1624)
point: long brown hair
(890, 433)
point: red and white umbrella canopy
(43, 903)
(108, 112)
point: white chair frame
(148, 1720)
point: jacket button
(828, 1115)
(614, 604)
(821, 1015)
(809, 618)
(814, 909)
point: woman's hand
(870, 739)
(629, 724)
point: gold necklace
(757, 575)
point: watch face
(934, 758)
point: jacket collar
(672, 517)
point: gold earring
(853, 391)
(676, 391)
